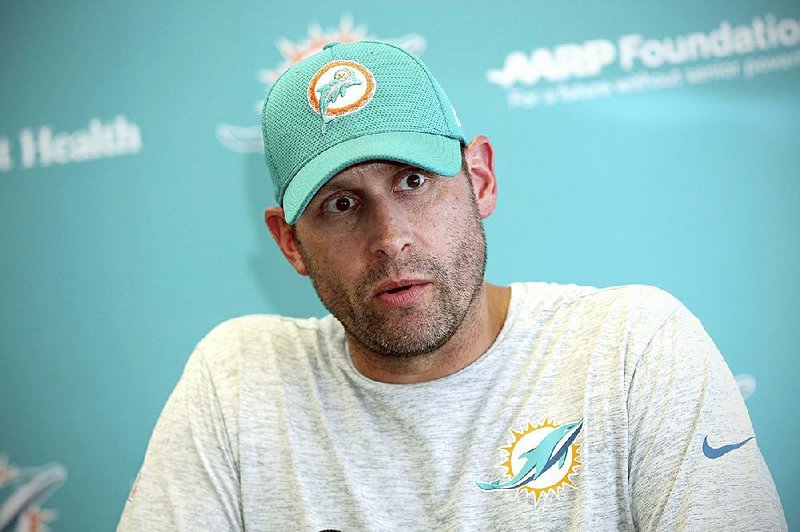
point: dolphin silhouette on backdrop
(540, 458)
(45, 480)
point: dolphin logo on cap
(343, 78)
(339, 88)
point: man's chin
(405, 351)
(396, 342)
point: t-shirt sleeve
(694, 461)
(189, 478)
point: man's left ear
(479, 155)
(285, 238)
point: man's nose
(390, 229)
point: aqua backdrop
(636, 142)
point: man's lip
(400, 283)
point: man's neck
(477, 332)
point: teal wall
(124, 240)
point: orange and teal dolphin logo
(538, 460)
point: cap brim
(434, 153)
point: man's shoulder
(256, 323)
(622, 318)
(644, 307)
(632, 296)
(263, 334)
(640, 297)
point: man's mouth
(398, 289)
(395, 287)
(401, 292)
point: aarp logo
(560, 63)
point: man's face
(395, 253)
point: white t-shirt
(594, 409)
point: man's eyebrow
(329, 187)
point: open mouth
(398, 289)
(401, 293)
(401, 287)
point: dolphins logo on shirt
(541, 459)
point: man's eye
(411, 181)
(339, 204)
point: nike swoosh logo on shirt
(712, 453)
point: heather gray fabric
(271, 428)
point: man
(431, 399)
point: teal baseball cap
(351, 103)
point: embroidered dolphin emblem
(540, 458)
(343, 79)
